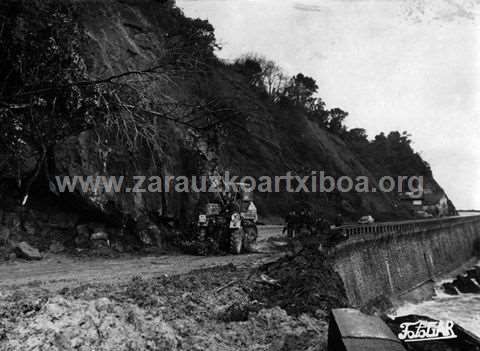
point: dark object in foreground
(351, 330)
(464, 341)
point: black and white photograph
(240, 175)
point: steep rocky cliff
(172, 109)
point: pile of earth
(302, 283)
(101, 324)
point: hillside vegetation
(134, 88)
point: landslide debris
(221, 308)
(100, 324)
(305, 283)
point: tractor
(231, 222)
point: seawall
(388, 259)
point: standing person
(290, 221)
(318, 223)
(339, 220)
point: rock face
(39, 225)
(24, 250)
(123, 36)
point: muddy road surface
(169, 302)
(56, 271)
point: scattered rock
(82, 242)
(99, 244)
(117, 246)
(100, 324)
(12, 221)
(96, 227)
(449, 289)
(38, 216)
(82, 230)
(148, 232)
(102, 251)
(30, 227)
(56, 247)
(378, 305)
(99, 236)
(156, 235)
(306, 283)
(236, 312)
(145, 238)
(62, 220)
(4, 253)
(4, 235)
(24, 250)
(466, 285)
(474, 273)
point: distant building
(436, 204)
(413, 200)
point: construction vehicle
(231, 221)
(302, 220)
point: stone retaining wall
(387, 259)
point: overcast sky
(392, 64)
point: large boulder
(30, 227)
(117, 246)
(156, 235)
(474, 273)
(12, 221)
(465, 285)
(62, 220)
(24, 250)
(82, 239)
(82, 230)
(56, 247)
(450, 289)
(4, 235)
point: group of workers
(304, 222)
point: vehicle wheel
(202, 234)
(236, 239)
(250, 238)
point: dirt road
(66, 303)
(56, 271)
